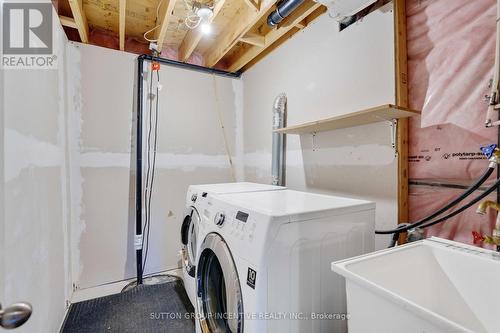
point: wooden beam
(244, 20)
(123, 6)
(165, 14)
(245, 55)
(193, 36)
(253, 3)
(68, 22)
(401, 72)
(314, 15)
(302, 24)
(80, 19)
(254, 39)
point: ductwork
(283, 9)
(278, 157)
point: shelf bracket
(394, 134)
(313, 138)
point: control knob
(219, 219)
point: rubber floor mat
(146, 308)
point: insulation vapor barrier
(110, 40)
(426, 199)
(451, 54)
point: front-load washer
(195, 199)
(264, 261)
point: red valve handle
(478, 238)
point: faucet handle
(477, 237)
(493, 239)
(488, 150)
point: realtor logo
(27, 28)
(27, 35)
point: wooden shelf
(385, 112)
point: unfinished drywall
(2, 162)
(34, 219)
(191, 150)
(324, 73)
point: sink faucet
(495, 237)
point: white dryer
(196, 196)
(264, 261)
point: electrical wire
(223, 129)
(469, 191)
(156, 26)
(148, 166)
(152, 162)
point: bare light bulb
(206, 28)
(205, 13)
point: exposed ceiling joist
(165, 14)
(80, 19)
(122, 14)
(193, 36)
(246, 18)
(254, 39)
(245, 55)
(253, 3)
(302, 24)
(68, 22)
(243, 36)
(314, 15)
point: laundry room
(249, 166)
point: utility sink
(434, 285)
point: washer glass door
(189, 235)
(220, 303)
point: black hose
(461, 209)
(464, 195)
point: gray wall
(34, 255)
(325, 73)
(190, 150)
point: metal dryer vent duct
(283, 9)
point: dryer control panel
(242, 226)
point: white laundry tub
(429, 286)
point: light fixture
(205, 28)
(199, 15)
(205, 13)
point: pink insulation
(110, 40)
(451, 51)
(446, 151)
(429, 199)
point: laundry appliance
(196, 195)
(264, 261)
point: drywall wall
(191, 150)
(2, 162)
(34, 221)
(325, 72)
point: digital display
(243, 217)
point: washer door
(189, 232)
(219, 299)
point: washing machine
(264, 261)
(195, 200)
